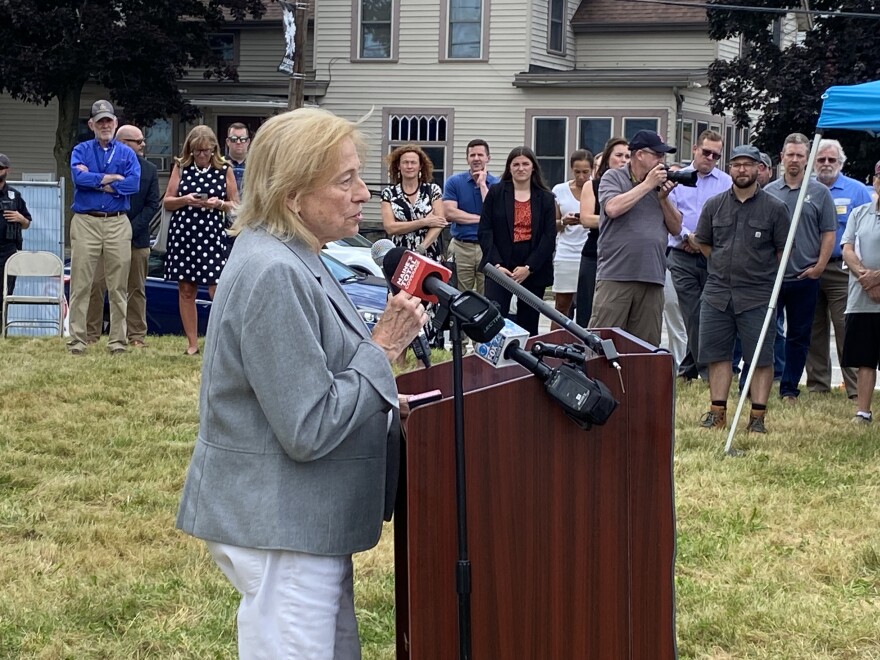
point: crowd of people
(290, 476)
(115, 197)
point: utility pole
(297, 85)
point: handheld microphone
(420, 346)
(426, 279)
(597, 344)
(420, 276)
(494, 351)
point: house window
(223, 45)
(686, 139)
(375, 32)
(593, 133)
(550, 142)
(556, 30)
(632, 125)
(428, 131)
(158, 149)
(465, 37)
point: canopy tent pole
(777, 285)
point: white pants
(294, 605)
(675, 330)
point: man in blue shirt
(463, 197)
(686, 263)
(834, 283)
(104, 174)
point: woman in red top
(518, 233)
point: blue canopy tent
(850, 107)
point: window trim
(448, 113)
(566, 151)
(563, 22)
(355, 50)
(443, 52)
(616, 115)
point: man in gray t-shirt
(812, 248)
(861, 342)
(634, 224)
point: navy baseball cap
(650, 140)
(746, 151)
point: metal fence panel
(45, 201)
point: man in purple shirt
(104, 173)
(686, 263)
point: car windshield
(338, 269)
(354, 241)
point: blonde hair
(292, 155)
(197, 136)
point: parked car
(354, 252)
(368, 293)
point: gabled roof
(628, 16)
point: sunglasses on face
(141, 141)
(832, 160)
(710, 155)
(238, 140)
(203, 152)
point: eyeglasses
(832, 161)
(237, 140)
(203, 152)
(141, 141)
(711, 155)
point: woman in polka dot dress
(201, 189)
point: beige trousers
(92, 239)
(136, 315)
(467, 265)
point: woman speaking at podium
(296, 460)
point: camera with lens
(688, 179)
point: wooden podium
(571, 533)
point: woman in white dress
(570, 236)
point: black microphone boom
(601, 346)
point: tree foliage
(137, 49)
(783, 79)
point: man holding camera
(635, 222)
(686, 263)
(105, 173)
(14, 218)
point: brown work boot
(716, 418)
(756, 422)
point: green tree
(137, 49)
(785, 82)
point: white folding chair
(34, 264)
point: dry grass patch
(778, 551)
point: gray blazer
(297, 446)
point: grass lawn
(778, 551)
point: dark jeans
(689, 277)
(797, 301)
(6, 251)
(586, 290)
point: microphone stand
(463, 565)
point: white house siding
(728, 49)
(29, 149)
(539, 30)
(644, 50)
(260, 52)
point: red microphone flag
(412, 271)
